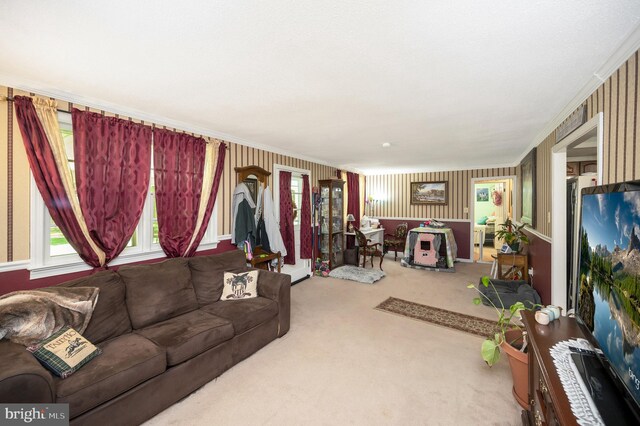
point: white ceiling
(450, 84)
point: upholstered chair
(396, 240)
(367, 248)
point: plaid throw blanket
(27, 317)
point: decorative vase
(519, 363)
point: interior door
(302, 268)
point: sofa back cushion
(158, 291)
(207, 273)
(110, 317)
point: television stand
(548, 402)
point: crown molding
(627, 47)
(43, 90)
(391, 171)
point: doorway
(579, 153)
(302, 267)
(492, 204)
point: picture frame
(528, 189)
(430, 193)
(482, 195)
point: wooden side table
(517, 266)
(262, 259)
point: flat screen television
(609, 281)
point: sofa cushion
(158, 291)
(244, 314)
(126, 361)
(188, 335)
(207, 273)
(110, 317)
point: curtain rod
(11, 99)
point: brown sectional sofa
(163, 334)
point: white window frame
(42, 264)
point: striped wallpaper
(15, 180)
(617, 99)
(543, 185)
(393, 193)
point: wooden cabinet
(331, 221)
(548, 401)
(513, 266)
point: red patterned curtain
(178, 161)
(112, 165)
(286, 218)
(353, 197)
(219, 166)
(305, 220)
(49, 181)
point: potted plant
(510, 338)
(513, 235)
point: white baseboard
(14, 266)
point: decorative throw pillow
(243, 285)
(64, 352)
(483, 220)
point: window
(296, 198)
(51, 253)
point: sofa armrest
(22, 378)
(277, 287)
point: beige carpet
(344, 362)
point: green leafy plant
(512, 234)
(508, 319)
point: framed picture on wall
(434, 193)
(528, 167)
(482, 195)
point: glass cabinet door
(331, 222)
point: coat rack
(250, 176)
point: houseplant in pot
(513, 235)
(510, 338)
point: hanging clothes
(240, 194)
(262, 239)
(271, 224)
(245, 226)
(259, 207)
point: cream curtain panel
(209, 172)
(47, 111)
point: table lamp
(350, 219)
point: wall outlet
(531, 271)
(465, 210)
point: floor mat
(470, 324)
(354, 273)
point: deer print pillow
(243, 285)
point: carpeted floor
(344, 362)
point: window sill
(45, 271)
